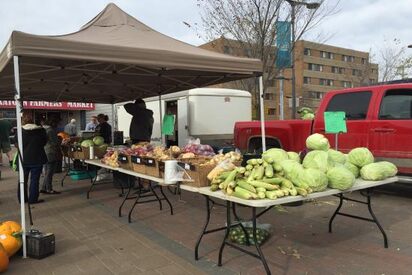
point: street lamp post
(293, 4)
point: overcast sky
(359, 24)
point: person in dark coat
(103, 128)
(52, 149)
(34, 156)
(141, 126)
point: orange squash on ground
(10, 243)
(63, 135)
(4, 259)
(10, 227)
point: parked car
(378, 117)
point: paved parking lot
(92, 239)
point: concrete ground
(91, 239)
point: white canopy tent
(113, 58)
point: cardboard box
(198, 173)
(152, 167)
(125, 162)
(138, 164)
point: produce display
(279, 173)
(111, 158)
(306, 113)
(199, 149)
(232, 156)
(10, 242)
(237, 235)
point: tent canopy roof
(113, 58)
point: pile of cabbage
(323, 167)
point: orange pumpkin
(63, 135)
(11, 243)
(10, 227)
(4, 259)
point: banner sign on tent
(335, 122)
(283, 44)
(168, 126)
(8, 104)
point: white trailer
(205, 113)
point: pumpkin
(63, 135)
(4, 259)
(10, 227)
(11, 243)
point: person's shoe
(36, 202)
(43, 191)
(52, 192)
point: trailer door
(182, 120)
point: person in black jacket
(34, 156)
(103, 128)
(141, 126)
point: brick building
(319, 68)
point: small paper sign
(168, 126)
(335, 122)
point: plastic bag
(237, 235)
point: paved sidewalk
(91, 239)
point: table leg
(385, 238)
(91, 187)
(336, 212)
(126, 197)
(228, 226)
(204, 227)
(135, 203)
(240, 223)
(257, 245)
(155, 194)
(167, 200)
(67, 172)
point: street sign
(335, 122)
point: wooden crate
(152, 167)
(138, 164)
(125, 162)
(198, 173)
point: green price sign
(168, 126)
(335, 122)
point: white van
(205, 113)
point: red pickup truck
(378, 117)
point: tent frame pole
(161, 117)
(262, 114)
(19, 111)
(114, 124)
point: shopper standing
(71, 128)
(34, 156)
(51, 148)
(104, 129)
(141, 126)
(91, 126)
(5, 148)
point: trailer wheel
(255, 144)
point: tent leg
(20, 144)
(161, 118)
(114, 124)
(262, 114)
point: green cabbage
(360, 156)
(353, 168)
(317, 142)
(293, 171)
(336, 156)
(98, 140)
(378, 170)
(294, 156)
(340, 178)
(278, 155)
(317, 159)
(87, 143)
(315, 179)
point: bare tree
(394, 63)
(250, 27)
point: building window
(315, 67)
(271, 111)
(269, 96)
(338, 70)
(306, 80)
(356, 72)
(371, 80)
(363, 61)
(327, 55)
(307, 52)
(315, 95)
(326, 82)
(347, 84)
(355, 105)
(248, 52)
(348, 58)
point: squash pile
(10, 242)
